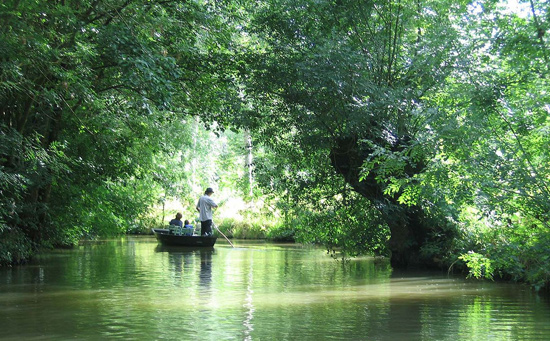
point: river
(134, 289)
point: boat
(184, 249)
(167, 237)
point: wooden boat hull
(165, 238)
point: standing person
(204, 206)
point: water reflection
(249, 305)
(135, 289)
(206, 270)
(183, 261)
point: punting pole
(216, 227)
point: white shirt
(204, 206)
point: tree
(89, 92)
(350, 78)
(492, 131)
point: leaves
(95, 95)
(480, 266)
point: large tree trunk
(408, 234)
(407, 227)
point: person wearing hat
(204, 206)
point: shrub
(282, 233)
(249, 229)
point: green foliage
(282, 232)
(480, 266)
(347, 81)
(516, 249)
(96, 98)
(491, 137)
(351, 227)
(15, 248)
(244, 229)
(316, 206)
(368, 121)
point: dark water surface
(134, 289)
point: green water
(133, 289)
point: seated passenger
(190, 228)
(177, 221)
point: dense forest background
(417, 130)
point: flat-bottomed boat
(167, 237)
